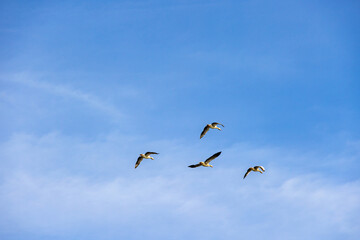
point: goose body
(206, 163)
(210, 126)
(142, 156)
(259, 169)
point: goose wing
(261, 167)
(149, 153)
(195, 165)
(247, 172)
(138, 161)
(206, 129)
(215, 123)
(212, 157)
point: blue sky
(85, 86)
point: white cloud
(51, 205)
(40, 194)
(337, 204)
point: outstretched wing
(195, 165)
(149, 153)
(212, 157)
(138, 161)
(215, 123)
(261, 167)
(247, 172)
(206, 129)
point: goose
(207, 127)
(255, 169)
(142, 156)
(206, 162)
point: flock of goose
(205, 163)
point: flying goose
(255, 169)
(146, 155)
(207, 161)
(207, 127)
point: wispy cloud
(68, 92)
